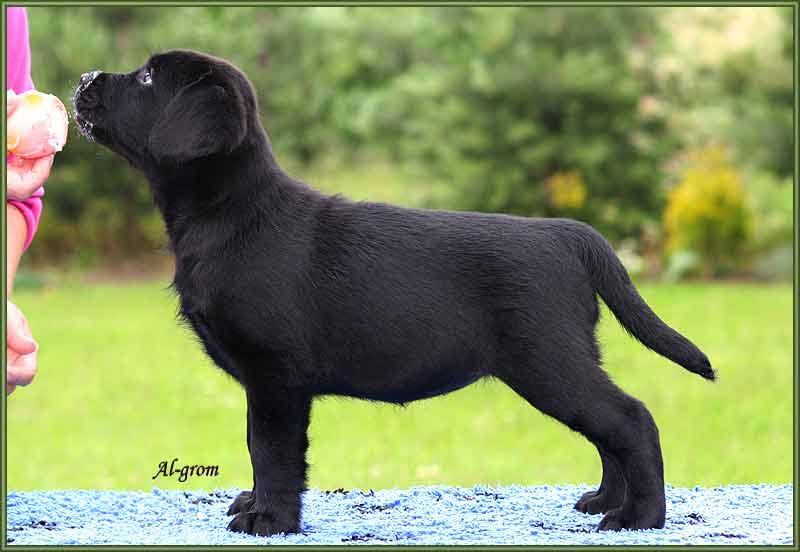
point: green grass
(122, 387)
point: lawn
(121, 387)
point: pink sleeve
(31, 209)
(18, 78)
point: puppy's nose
(86, 78)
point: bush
(538, 110)
(771, 201)
(707, 213)
(775, 264)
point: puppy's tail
(612, 283)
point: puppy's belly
(409, 390)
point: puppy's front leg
(245, 499)
(277, 432)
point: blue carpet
(738, 514)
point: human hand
(21, 349)
(36, 129)
(25, 176)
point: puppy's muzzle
(85, 100)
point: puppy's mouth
(86, 101)
(84, 126)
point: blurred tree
(98, 207)
(726, 75)
(558, 111)
(501, 101)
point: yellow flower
(566, 190)
(706, 212)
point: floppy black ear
(202, 119)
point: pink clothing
(18, 78)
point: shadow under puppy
(298, 294)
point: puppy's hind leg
(277, 425)
(565, 382)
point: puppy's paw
(598, 502)
(261, 524)
(587, 503)
(241, 503)
(626, 518)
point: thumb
(19, 342)
(18, 334)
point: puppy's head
(178, 107)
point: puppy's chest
(239, 310)
(196, 284)
(202, 296)
(200, 309)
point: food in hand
(38, 125)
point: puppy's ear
(202, 119)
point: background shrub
(772, 202)
(708, 214)
(536, 111)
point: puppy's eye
(146, 78)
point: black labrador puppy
(297, 294)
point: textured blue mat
(739, 514)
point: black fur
(297, 294)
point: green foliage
(556, 111)
(726, 77)
(707, 213)
(499, 102)
(775, 264)
(96, 206)
(772, 204)
(682, 263)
